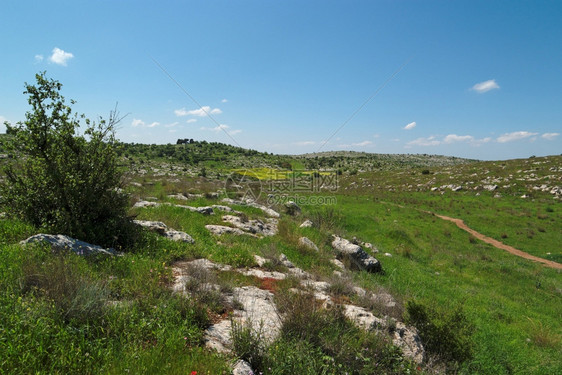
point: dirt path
(500, 245)
(460, 223)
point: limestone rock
(292, 208)
(143, 204)
(258, 227)
(285, 261)
(206, 210)
(305, 242)
(60, 242)
(242, 367)
(258, 312)
(219, 230)
(248, 202)
(162, 229)
(406, 338)
(356, 254)
(306, 224)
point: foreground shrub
(62, 181)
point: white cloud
(451, 138)
(138, 122)
(550, 136)
(223, 127)
(60, 57)
(429, 141)
(224, 100)
(172, 125)
(364, 143)
(485, 86)
(410, 126)
(479, 142)
(514, 136)
(201, 112)
(305, 143)
(38, 58)
(191, 120)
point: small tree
(62, 181)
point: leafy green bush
(62, 181)
(445, 334)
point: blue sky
(475, 79)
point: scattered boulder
(258, 312)
(219, 230)
(205, 210)
(179, 197)
(356, 254)
(242, 367)
(292, 208)
(225, 209)
(490, 187)
(260, 261)
(162, 229)
(305, 242)
(306, 224)
(338, 263)
(257, 227)
(406, 338)
(248, 202)
(143, 204)
(285, 261)
(60, 242)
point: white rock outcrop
(356, 255)
(60, 242)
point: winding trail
(500, 245)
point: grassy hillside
(70, 314)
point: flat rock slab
(163, 230)
(61, 242)
(356, 255)
(406, 338)
(258, 313)
(258, 227)
(219, 230)
(307, 243)
(268, 211)
(205, 210)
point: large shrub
(63, 181)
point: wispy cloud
(191, 120)
(410, 126)
(447, 140)
(38, 58)
(223, 128)
(485, 86)
(139, 123)
(59, 56)
(305, 143)
(361, 144)
(224, 100)
(424, 141)
(514, 136)
(550, 136)
(201, 112)
(172, 124)
(452, 138)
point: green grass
(60, 313)
(435, 262)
